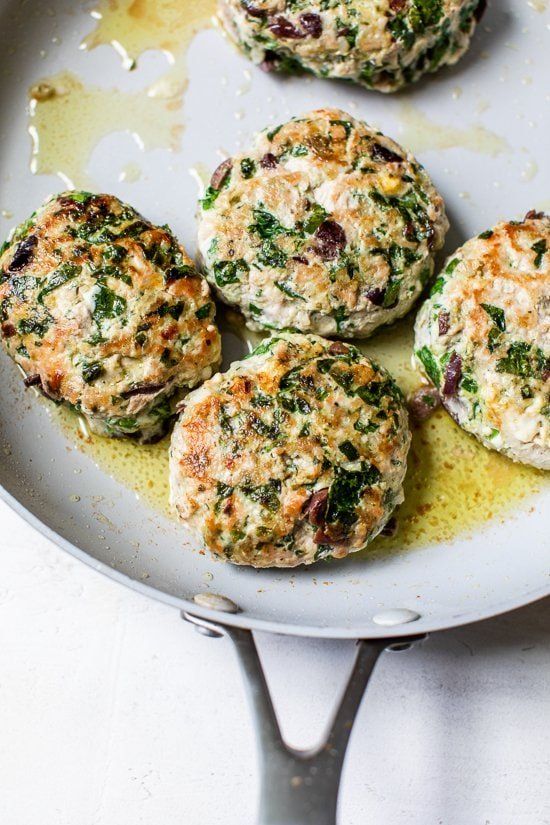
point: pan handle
(299, 787)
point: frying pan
(486, 168)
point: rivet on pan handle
(300, 787)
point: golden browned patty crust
(382, 45)
(483, 338)
(105, 312)
(296, 454)
(325, 225)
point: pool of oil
(68, 117)
(453, 483)
(133, 27)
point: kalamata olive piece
(270, 62)
(338, 348)
(252, 10)
(300, 259)
(312, 24)
(316, 507)
(142, 389)
(23, 254)
(32, 381)
(533, 215)
(409, 231)
(331, 239)
(397, 5)
(453, 375)
(390, 528)
(423, 402)
(376, 296)
(480, 10)
(221, 173)
(380, 152)
(444, 322)
(281, 27)
(269, 161)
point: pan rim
(424, 625)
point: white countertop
(112, 710)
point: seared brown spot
(170, 332)
(312, 24)
(281, 27)
(221, 173)
(173, 275)
(331, 239)
(269, 161)
(423, 402)
(316, 507)
(8, 330)
(453, 374)
(330, 534)
(54, 383)
(444, 322)
(380, 152)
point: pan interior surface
(486, 152)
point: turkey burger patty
(483, 338)
(324, 226)
(298, 453)
(382, 45)
(105, 312)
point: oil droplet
(130, 174)
(420, 134)
(453, 484)
(133, 27)
(530, 171)
(67, 125)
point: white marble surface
(112, 710)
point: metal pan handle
(299, 787)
